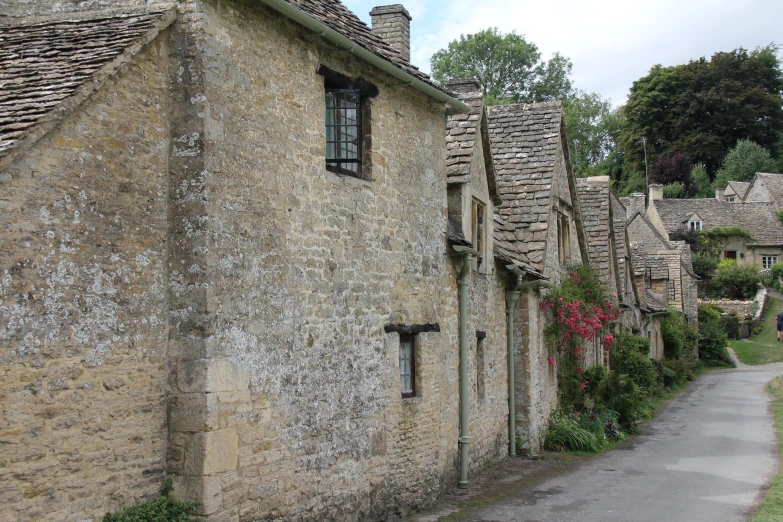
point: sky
(611, 43)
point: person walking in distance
(780, 326)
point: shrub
(712, 344)
(709, 314)
(566, 433)
(737, 281)
(673, 332)
(639, 368)
(730, 326)
(621, 394)
(776, 271)
(164, 509)
(704, 264)
(659, 371)
(684, 368)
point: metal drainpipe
(512, 298)
(464, 409)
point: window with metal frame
(344, 131)
(648, 278)
(407, 366)
(671, 293)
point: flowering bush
(581, 310)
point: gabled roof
(333, 14)
(757, 218)
(740, 188)
(597, 222)
(664, 243)
(466, 132)
(525, 140)
(655, 302)
(774, 185)
(48, 66)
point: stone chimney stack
(656, 192)
(719, 194)
(393, 24)
(463, 86)
(635, 204)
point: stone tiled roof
(774, 185)
(638, 258)
(757, 218)
(740, 188)
(524, 140)
(335, 15)
(50, 65)
(594, 202)
(655, 302)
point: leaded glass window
(407, 369)
(343, 131)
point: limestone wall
(286, 275)
(83, 321)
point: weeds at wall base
(771, 509)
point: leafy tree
(703, 108)
(592, 129)
(673, 169)
(506, 66)
(742, 163)
(675, 190)
(702, 185)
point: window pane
(405, 366)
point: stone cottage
(765, 188)
(236, 243)
(764, 248)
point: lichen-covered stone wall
(83, 318)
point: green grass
(771, 510)
(764, 347)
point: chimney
(393, 24)
(635, 204)
(463, 86)
(656, 192)
(719, 194)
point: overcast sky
(611, 43)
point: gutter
(341, 41)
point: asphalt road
(708, 457)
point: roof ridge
(91, 14)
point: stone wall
(83, 319)
(286, 276)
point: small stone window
(479, 232)
(768, 261)
(347, 123)
(480, 365)
(648, 278)
(730, 199)
(408, 366)
(694, 225)
(671, 293)
(563, 239)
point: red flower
(550, 360)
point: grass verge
(764, 347)
(771, 510)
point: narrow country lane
(708, 457)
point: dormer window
(694, 225)
(730, 199)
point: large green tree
(703, 108)
(742, 163)
(506, 66)
(593, 128)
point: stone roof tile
(50, 65)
